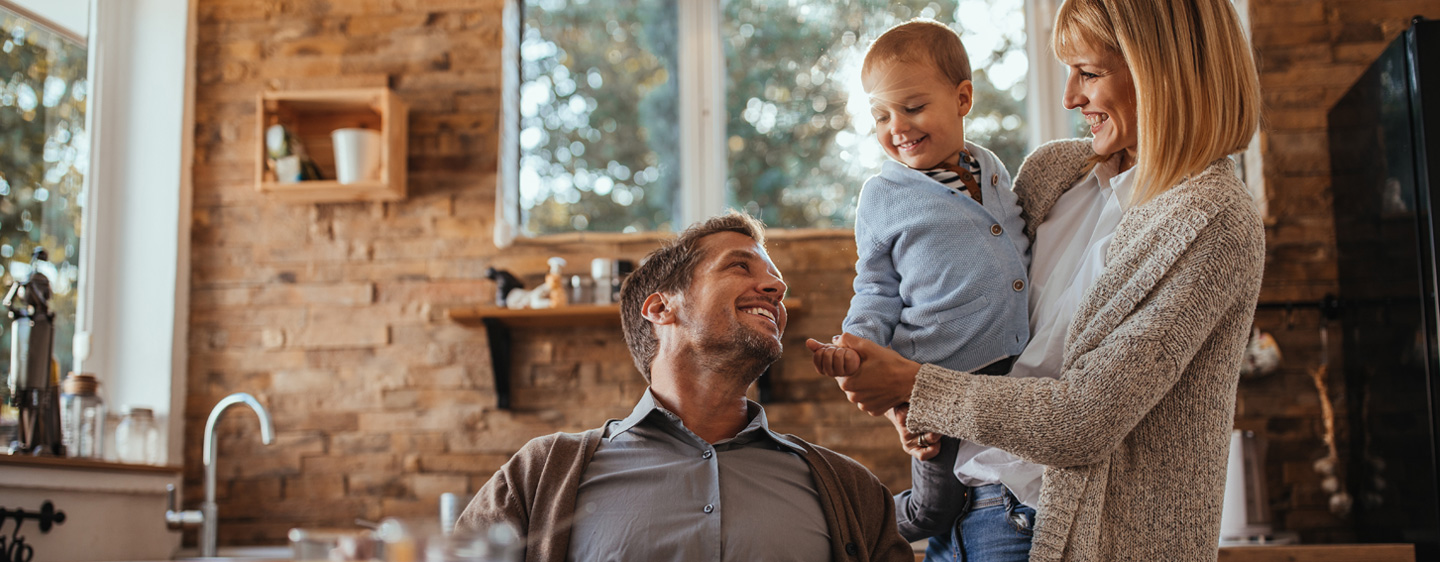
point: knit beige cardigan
(1135, 431)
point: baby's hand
(833, 360)
(922, 446)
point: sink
(239, 554)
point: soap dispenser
(555, 283)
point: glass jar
(137, 439)
(82, 417)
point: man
(694, 473)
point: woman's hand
(922, 446)
(882, 380)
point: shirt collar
(650, 409)
(1108, 176)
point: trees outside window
(600, 141)
(44, 153)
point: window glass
(799, 135)
(599, 118)
(44, 153)
(599, 109)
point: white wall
(135, 268)
(73, 15)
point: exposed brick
(428, 487)
(339, 334)
(350, 464)
(323, 486)
(481, 464)
(341, 294)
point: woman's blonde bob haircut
(1197, 94)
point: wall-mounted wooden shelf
(86, 464)
(572, 315)
(311, 116)
(499, 321)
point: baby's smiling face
(919, 116)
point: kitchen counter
(1319, 553)
(111, 510)
(1297, 553)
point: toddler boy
(941, 275)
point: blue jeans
(995, 527)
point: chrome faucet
(208, 515)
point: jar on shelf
(137, 439)
(82, 417)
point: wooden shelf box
(311, 116)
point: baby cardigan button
(996, 230)
(709, 508)
(851, 549)
(1019, 285)
(994, 179)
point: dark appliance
(1385, 166)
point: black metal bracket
(48, 516)
(13, 547)
(765, 385)
(498, 335)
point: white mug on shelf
(357, 155)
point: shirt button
(709, 508)
(994, 179)
(1019, 285)
(996, 230)
(707, 454)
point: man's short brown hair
(670, 269)
(920, 40)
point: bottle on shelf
(137, 438)
(555, 282)
(82, 416)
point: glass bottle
(82, 417)
(137, 439)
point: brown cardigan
(536, 490)
(1136, 430)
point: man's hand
(833, 360)
(883, 379)
(922, 446)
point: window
(44, 154)
(638, 115)
(132, 294)
(599, 145)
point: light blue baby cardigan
(937, 281)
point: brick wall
(334, 315)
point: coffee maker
(33, 382)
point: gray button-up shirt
(656, 491)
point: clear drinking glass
(335, 545)
(499, 543)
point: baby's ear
(965, 97)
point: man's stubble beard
(741, 352)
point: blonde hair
(920, 40)
(1196, 90)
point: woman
(1147, 263)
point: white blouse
(1069, 254)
